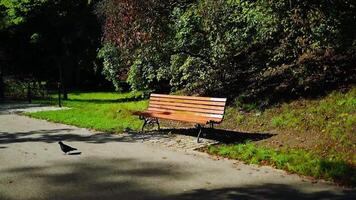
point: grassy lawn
(104, 111)
(292, 160)
(325, 126)
(313, 137)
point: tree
(254, 50)
(56, 40)
(133, 30)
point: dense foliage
(245, 49)
(49, 40)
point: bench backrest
(204, 107)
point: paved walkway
(117, 167)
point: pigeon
(65, 148)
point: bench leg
(198, 126)
(144, 124)
(149, 121)
(211, 125)
(159, 128)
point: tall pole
(29, 92)
(60, 86)
(2, 88)
(59, 94)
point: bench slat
(189, 97)
(163, 103)
(201, 110)
(190, 109)
(203, 115)
(211, 103)
(179, 117)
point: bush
(18, 89)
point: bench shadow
(220, 135)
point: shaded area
(127, 178)
(221, 135)
(94, 178)
(101, 101)
(68, 134)
(263, 191)
(9, 107)
(55, 135)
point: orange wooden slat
(189, 109)
(185, 108)
(189, 97)
(178, 117)
(212, 103)
(204, 115)
(163, 103)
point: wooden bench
(198, 110)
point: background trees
(248, 49)
(54, 40)
(254, 50)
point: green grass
(337, 110)
(109, 112)
(296, 161)
(328, 123)
(314, 137)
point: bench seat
(197, 110)
(183, 116)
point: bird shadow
(74, 153)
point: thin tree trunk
(65, 74)
(65, 92)
(2, 88)
(62, 82)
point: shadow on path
(127, 178)
(16, 107)
(263, 191)
(55, 135)
(221, 135)
(68, 134)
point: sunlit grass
(102, 111)
(296, 161)
(332, 118)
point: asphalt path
(106, 166)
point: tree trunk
(65, 73)
(29, 92)
(62, 82)
(65, 92)
(2, 88)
